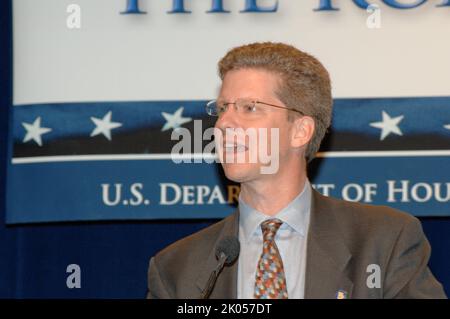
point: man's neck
(271, 195)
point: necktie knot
(270, 228)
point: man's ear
(302, 131)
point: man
(295, 242)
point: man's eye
(250, 107)
(221, 108)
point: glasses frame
(207, 107)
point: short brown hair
(305, 83)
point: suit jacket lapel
(226, 285)
(327, 254)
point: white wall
(159, 56)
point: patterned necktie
(270, 280)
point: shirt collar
(294, 215)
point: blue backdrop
(113, 256)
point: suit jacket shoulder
(181, 270)
(362, 221)
(358, 240)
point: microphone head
(229, 246)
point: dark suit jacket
(343, 239)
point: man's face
(253, 84)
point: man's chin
(240, 173)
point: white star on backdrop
(447, 126)
(104, 125)
(174, 120)
(34, 131)
(388, 125)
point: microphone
(226, 253)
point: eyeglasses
(242, 106)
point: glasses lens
(246, 106)
(211, 108)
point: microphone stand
(213, 277)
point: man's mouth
(234, 147)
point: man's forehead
(247, 86)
